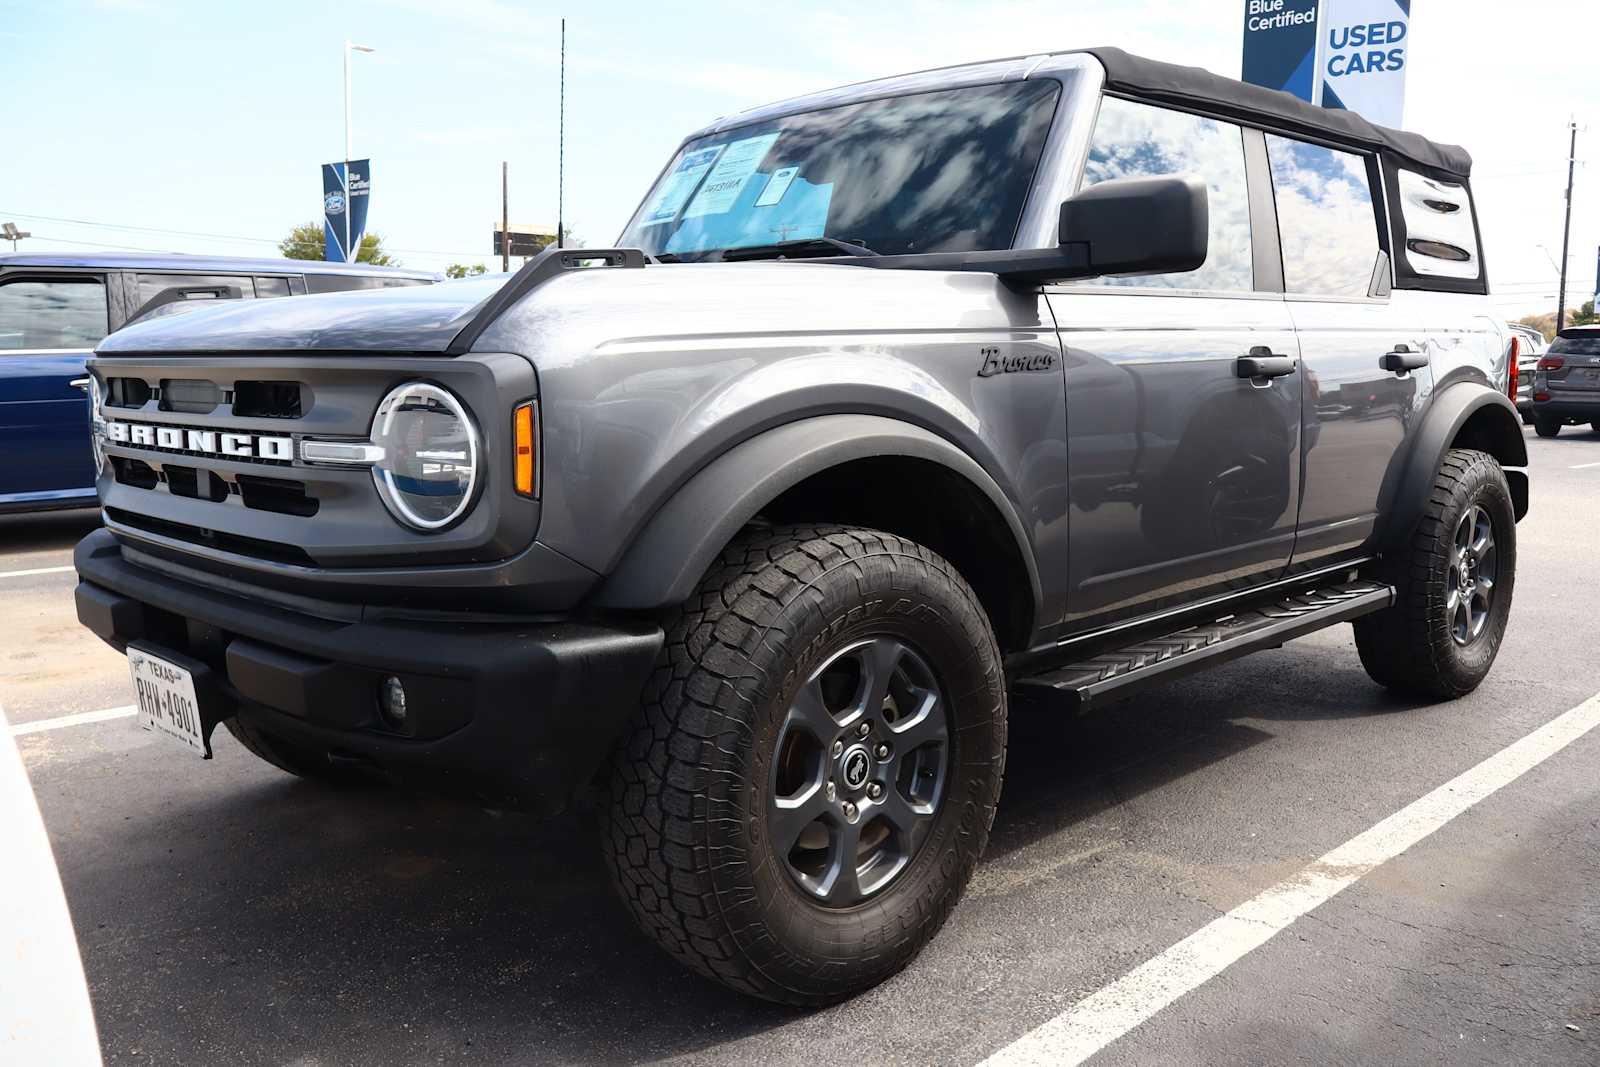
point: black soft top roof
(1180, 86)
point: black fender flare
(1452, 407)
(668, 557)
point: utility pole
(505, 220)
(561, 144)
(1566, 232)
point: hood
(413, 318)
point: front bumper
(516, 714)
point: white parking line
(1582, 466)
(80, 719)
(1100, 1018)
(35, 570)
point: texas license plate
(166, 699)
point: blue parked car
(54, 309)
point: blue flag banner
(1280, 45)
(1337, 53)
(344, 208)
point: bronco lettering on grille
(207, 442)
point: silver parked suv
(1059, 375)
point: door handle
(80, 383)
(1263, 362)
(1402, 359)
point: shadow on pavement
(46, 531)
(224, 912)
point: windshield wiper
(804, 248)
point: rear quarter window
(1441, 240)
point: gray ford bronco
(1043, 378)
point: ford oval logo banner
(344, 208)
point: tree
(1546, 323)
(459, 270)
(306, 242)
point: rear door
(49, 324)
(1183, 475)
(1357, 413)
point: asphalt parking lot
(228, 913)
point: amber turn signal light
(524, 424)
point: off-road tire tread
(656, 823)
(1402, 647)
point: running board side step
(1117, 673)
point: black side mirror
(1139, 225)
(1124, 226)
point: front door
(1184, 465)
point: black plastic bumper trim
(516, 714)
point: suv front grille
(218, 539)
(208, 448)
(245, 399)
(268, 400)
(283, 496)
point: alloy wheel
(860, 771)
(1473, 570)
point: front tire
(812, 776)
(1453, 583)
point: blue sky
(213, 117)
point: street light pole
(1566, 233)
(348, 48)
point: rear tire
(302, 763)
(1435, 642)
(1545, 426)
(1594, 425)
(709, 830)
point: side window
(1139, 141)
(53, 313)
(153, 285)
(343, 283)
(1325, 218)
(268, 287)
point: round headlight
(97, 426)
(429, 468)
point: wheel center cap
(1464, 574)
(855, 766)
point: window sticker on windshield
(680, 184)
(777, 185)
(729, 177)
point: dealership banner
(344, 208)
(1348, 54)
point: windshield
(935, 172)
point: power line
(190, 233)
